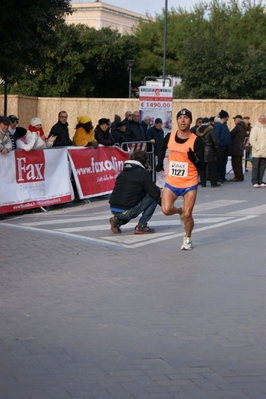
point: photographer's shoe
(115, 226)
(143, 230)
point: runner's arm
(161, 153)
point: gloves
(192, 157)
(92, 144)
(159, 167)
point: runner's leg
(189, 200)
(168, 200)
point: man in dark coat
(146, 123)
(60, 130)
(236, 150)
(134, 193)
(155, 134)
(224, 139)
(134, 130)
(120, 136)
(209, 137)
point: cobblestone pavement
(85, 314)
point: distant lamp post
(165, 41)
(3, 81)
(129, 64)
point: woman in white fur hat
(35, 137)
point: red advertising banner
(95, 170)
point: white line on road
(106, 214)
(128, 241)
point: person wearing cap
(135, 131)
(84, 135)
(198, 124)
(12, 130)
(155, 134)
(21, 134)
(236, 150)
(41, 141)
(119, 134)
(5, 142)
(31, 140)
(224, 138)
(60, 130)
(210, 140)
(103, 134)
(36, 126)
(185, 158)
(258, 142)
(211, 120)
(117, 118)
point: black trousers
(258, 169)
(212, 171)
(237, 167)
(222, 157)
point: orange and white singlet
(181, 172)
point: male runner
(186, 156)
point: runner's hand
(159, 167)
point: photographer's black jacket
(132, 184)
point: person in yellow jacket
(185, 158)
(84, 135)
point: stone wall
(47, 108)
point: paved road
(88, 314)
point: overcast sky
(150, 6)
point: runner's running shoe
(187, 244)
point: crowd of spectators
(219, 141)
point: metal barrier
(148, 147)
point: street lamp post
(3, 81)
(129, 64)
(165, 40)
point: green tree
(214, 49)
(86, 63)
(217, 57)
(27, 30)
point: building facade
(101, 15)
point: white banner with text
(34, 179)
(156, 102)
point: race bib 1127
(178, 169)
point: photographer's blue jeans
(146, 206)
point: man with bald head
(135, 131)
